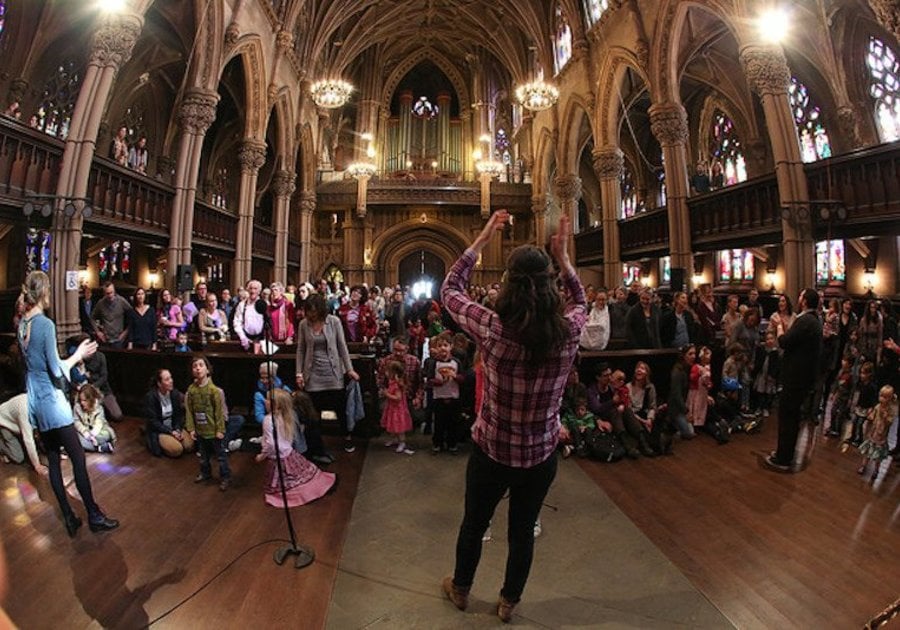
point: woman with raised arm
(48, 406)
(528, 345)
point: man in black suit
(802, 345)
(85, 307)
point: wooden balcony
(645, 235)
(589, 247)
(396, 192)
(29, 166)
(293, 253)
(129, 201)
(866, 183)
(743, 215)
(215, 226)
(263, 243)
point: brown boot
(459, 596)
(505, 609)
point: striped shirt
(518, 423)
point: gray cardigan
(338, 354)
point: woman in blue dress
(48, 406)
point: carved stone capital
(284, 41)
(307, 202)
(232, 33)
(848, 121)
(251, 156)
(567, 187)
(609, 162)
(668, 122)
(766, 69)
(539, 205)
(284, 184)
(114, 40)
(198, 111)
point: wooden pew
(131, 373)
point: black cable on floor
(214, 578)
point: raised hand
(559, 242)
(494, 224)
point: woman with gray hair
(48, 406)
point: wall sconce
(44, 205)
(82, 276)
(869, 280)
(770, 280)
(367, 256)
(154, 278)
(334, 218)
(697, 279)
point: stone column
(668, 122)
(568, 190)
(609, 165)
(769, 76)
(252, 156)
(111, 47)
(283, 186)
(539, 214)
(307, 209)
(197, 113)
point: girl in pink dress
(395, 418)
(698, 388)
(303, 482)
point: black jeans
(209, 447)
(446, 421)
(790, 412)
(486, 483)
(67, 438)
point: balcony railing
(119, 194)
(866, 183)
(263, 242)
(29, 160)
(750, 210)
(214, 224)
(431, 191)
(646, 233)
(589, 246)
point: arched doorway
(422, 271)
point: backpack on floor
(662, 435)
(604, 447)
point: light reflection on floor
(19, 495)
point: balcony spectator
(700, 182)
(118, 150)
(109, 317)
(138, 156)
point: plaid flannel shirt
(518, 423)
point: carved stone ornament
(848, 121)
(307, 201)
(609, 162)
(642, 52)
(284, 41)
(887, 12)
(539, 204)
(668, 122)
(251, 156)
(766, 69)
(114, 40)
(283, 184)
(567, 187)
(232, 33)
(198, 111)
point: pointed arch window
(736, 265)
(884, 86)
(630, 274)
(563, 42)
(629, 194)
(814, 141)
(830, 262)
(594, 10)
(58, 100)
(729, 166)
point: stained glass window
(115, 261)
(665, 269)
(814, 141)
(629, 194)
(830, 262)
(58, 101)
(736, 265)
(661, 180)
(2, 17)
(630, 274)
(594, 10)
(220, 188)
(729, 166)
(563, 41)
(884, 72)
(37, 250)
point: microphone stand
(303, 555)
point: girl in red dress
(395, 418)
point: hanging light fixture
(537, 95)
(367, 167)
(330, 93)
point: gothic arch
(284, 111)
(207, 65)
(441, 239)
(571, 143)
(611, 76)
(544, 157)
(249, 48)
(442, 62)
(664, 71)
(746, 130)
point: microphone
(263, 309)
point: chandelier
(489, 167)
(330, 93)
(358, 170)
(537, 95)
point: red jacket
(366, 326)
